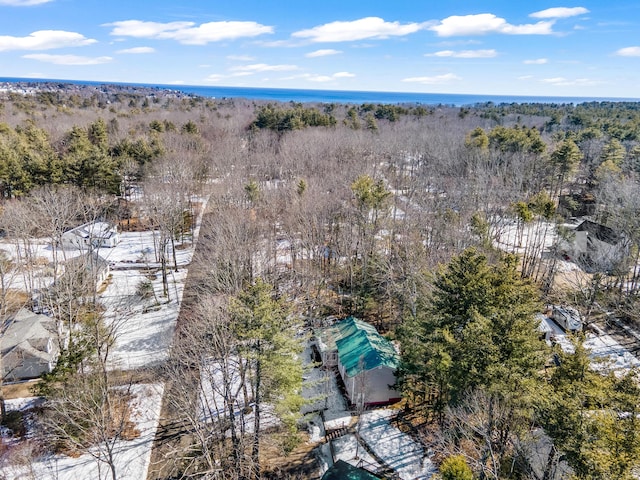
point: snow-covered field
(131, 457)
(143, 329)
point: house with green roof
(365, 359)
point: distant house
(87, 271)
(366, 361)
(598, 247)
(28, 346)
(92, 234)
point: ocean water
(337, 96)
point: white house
(92, 234)
(28, 346)
(366, 361)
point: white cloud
(559, 12)
(188, 33)
(241, 58)
(23, 3)
(44, 40)
(369, 27)
(629, 52)
(322, 53)
(276, 43)
(215, 77)
(319, 78)
(484, 23)
(565, 82)
(262, 67)
(312, 77)
(464, 53)
(137, 50)
(525, 77)
(536, 61)
(436, 80)
(67, 59)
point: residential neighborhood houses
(364, 361)
(30, 342)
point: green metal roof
(341, 470)
(327, 336)
(360, 347)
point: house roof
(29, 332)
(90, 261)
(360, 347)
(341, 470)
(327, 336)
(95, 230)
(600, 232)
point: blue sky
(502, 47)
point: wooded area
(447, 228)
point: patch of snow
(214, 391)
(132, 457)
(609, 355)
(397, 449)
(348, 449)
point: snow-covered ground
(607, 353)
(132, 457)
(215, 391)
(348, 449)
(143, 328)
(509, 238)
(395, 448)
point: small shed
(28, 346)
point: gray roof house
(87, 271)
(28, 346)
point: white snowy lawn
(132, 457)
